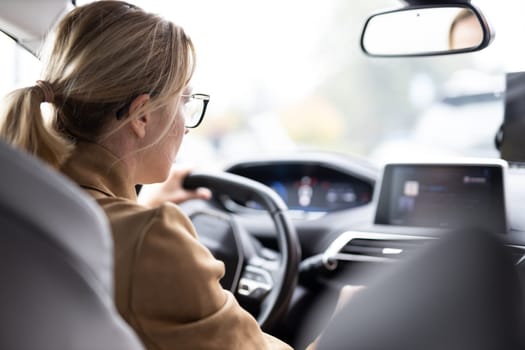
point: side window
(18, 67)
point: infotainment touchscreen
(443, 196)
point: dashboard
(328, 194)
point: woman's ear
(138, 124)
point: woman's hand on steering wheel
(171, 190)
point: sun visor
(30, 31)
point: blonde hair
(103, 55)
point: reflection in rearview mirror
(425, 31)
(465, 31)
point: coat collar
(95, 168)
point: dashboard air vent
(370, 247)
(389, 249)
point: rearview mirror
(426, 31)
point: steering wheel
(262, 277)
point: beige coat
(166, 282)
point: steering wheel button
(250, 276)
(259, 293)
(260, 278)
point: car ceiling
(29, 30)
(430, 2)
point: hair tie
(47, 91)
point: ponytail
(22, 125)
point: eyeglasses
(194, 109)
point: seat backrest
(55, 263)
(459, 292)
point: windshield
(290, 75)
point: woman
(117, 78)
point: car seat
(460, 292)
(56, 263)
